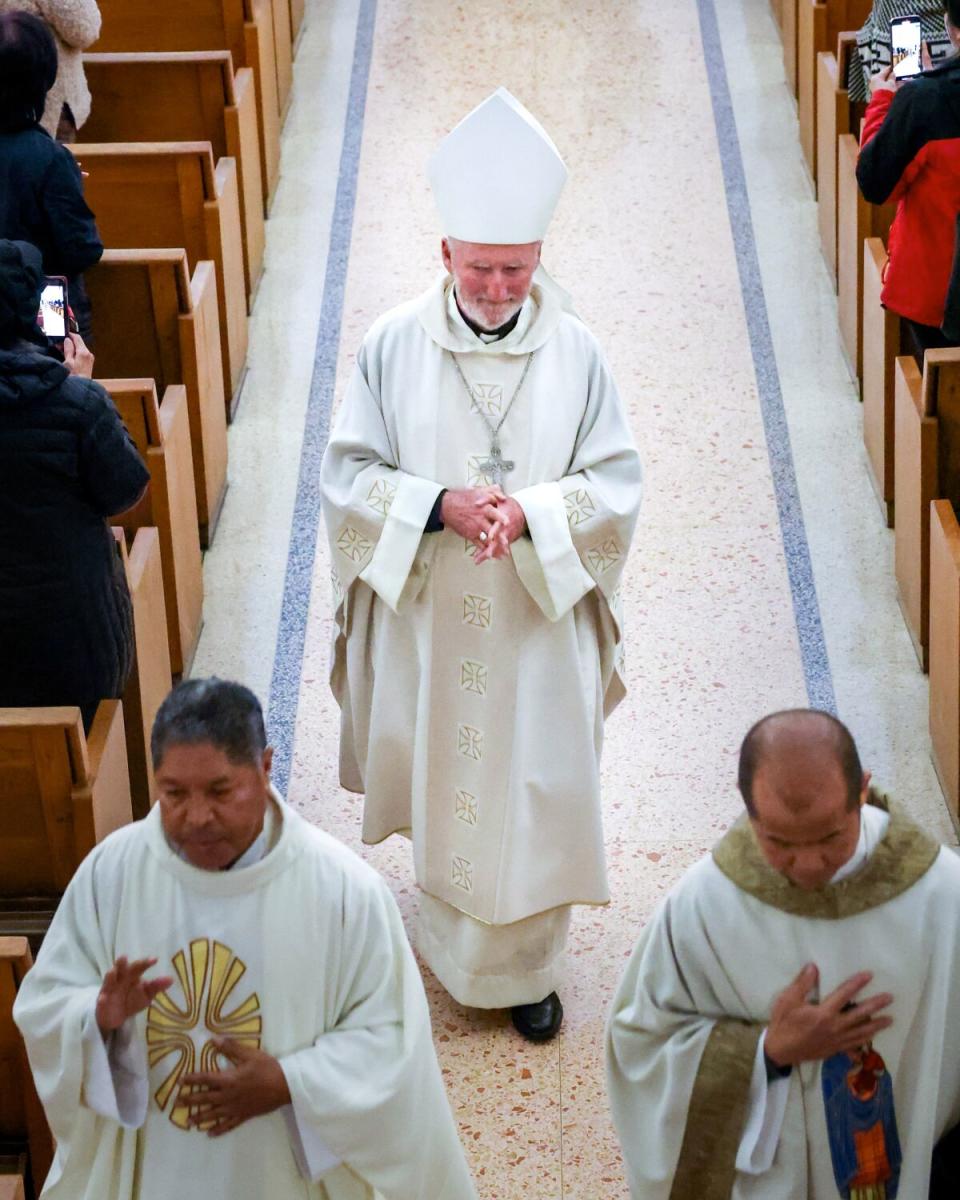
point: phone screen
(53, 310)
(905, 41)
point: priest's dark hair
(28, 69)
(227, 715)
(757, 744)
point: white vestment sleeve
(314, 1157)
(374, 513)
(581, 525)
(766, 1108)
(115, 1081)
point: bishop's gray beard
(479, 318)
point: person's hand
(803, 1032)
(508, 526)
(470, 511)
(124, 992)
(77, 357)
(884, 81)
(255, 1086)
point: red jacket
(910, 153)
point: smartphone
(906, 39)
(54, 308)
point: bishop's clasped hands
(486, 516)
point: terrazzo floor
(645, 241)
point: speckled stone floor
(739, 398)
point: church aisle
(643, 240)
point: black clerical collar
(505, 328)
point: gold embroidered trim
(718, 1108)
(904, 856)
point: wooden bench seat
(151, 679)
(60, 794)
(945, 649)
(23, 1126)
(819, 26)
(244, 27)
(170, 194)
(881, 346)
(926, 468)
(151, 320)
(836, 115)
(856, 221)
(193, 97)
(161, 433)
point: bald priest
(787, 1028)
(480, 491)
(283, 1047)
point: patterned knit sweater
(75, 25)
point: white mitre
(497, 176)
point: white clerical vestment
(473, 698)
(299, 951)
(695, 1117)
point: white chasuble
(303, 955)
(699, 991)
(473, 698)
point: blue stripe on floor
(288, 663)
(806, 607)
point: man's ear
(267, 761)
(446, 255)
(865, 787)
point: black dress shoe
(539, 1022)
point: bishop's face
(211, 808)
(803, 820)
(492, 282)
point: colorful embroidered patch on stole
(862, 1124)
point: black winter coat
(66, 463)
(41, 201)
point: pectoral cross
(496, 465)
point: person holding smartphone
(877, 40)
(41, 185)
(66, 464)
(910, 154)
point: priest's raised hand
(255, 1086)
(124, 992)
(801, 1030)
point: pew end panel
(881, 345)
(151, 679)
(945, 650)
(11, 1187)
(162, 434)
(153, 321)
(260, 55)
(834, 118)
(297, 13)
(915, 487)
(103, 804)
(224, 243)
(812, 39)
(243, 144)
(283, 55)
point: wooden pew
(161, 194)
(819, 25)
(926, 468)
(836, 115)
(283, 55)
(185, 97)
(23, 1126)
(244, 27)
(150, 680)
(789, 27)
(152, 321)
(60, 794)
(162, 435)
(945, 650)
(881, 345)
(297, 9)
(856, 221)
